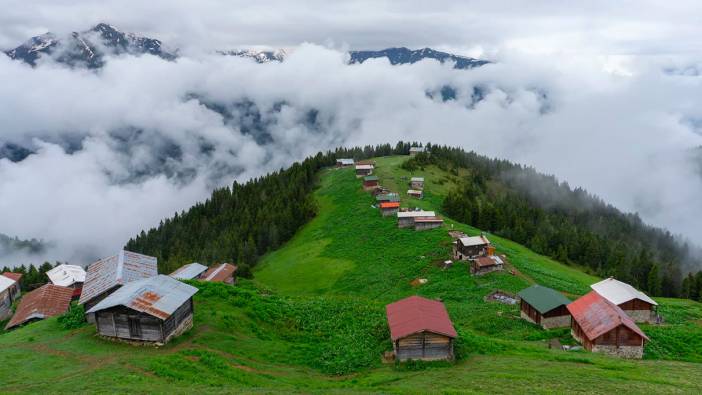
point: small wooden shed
(639, 306)
(544, 306)
(470, 247)
(426, 223)
(389, 208)
(224, 273)
(46, 301)
(370, 182)
(415, 193)
(486, 264)
(601, 326)
(190, 271)
(344, 162)
(107, 275)
(363, 170)
(420, 328)
(151, 310)
(417, 183)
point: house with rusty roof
(601, 326)
(420, 328)
(221, 273)
(639, 306)
(363, 169)
(9, 292)
(190, 271)
(46, 301)
(544, 306)
(108, 274)
(469, 247)
(150, 310)
(486, 264)
(70, 276)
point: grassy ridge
(313, 321)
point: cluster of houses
(123, 295)
(603, 320)
(478, 252)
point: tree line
(242, 222)
(569, 225)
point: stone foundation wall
(632, 352)
(484, 271)
(182, 328)
(561, 321)
(641, 315)
(526, 317)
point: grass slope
(313, 321)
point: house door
(134, 327)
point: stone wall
(641, 315)
(561, 321)
(526, 317)
(633, 352)
(489, 269)
(182, 328)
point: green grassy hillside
(313, 321)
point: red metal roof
(47, 301)
(219, 273)
(416, 314)
(13, 276)
(597, 316)
(390, 205)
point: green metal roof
(543, 299)
(370, 178)
(392, 197)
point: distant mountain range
(89, 47)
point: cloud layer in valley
(119, 149)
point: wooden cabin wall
(530, 311)
(557, 312)
(424, 345)
(180, 315)
(636, 304)
(620, 336)
(115, 322)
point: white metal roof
(364, 167)
(159, 296)
(618, 292)
(474, 241)
(416, 149)
(413, 191)
(412, 214)
(415, 179)
(345, 161)
(189, 271)
(66, 275)
(5, 283)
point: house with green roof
(544, 306)
(370, 182)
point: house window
(134, 327)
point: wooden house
(635, 303)
(601, 326)
(70, 276)
(426, 223)
(107, 275)
(415, 193)
(46, 301)
(190, 271)
(9, 292)
(364, 170)
(417, 183)
(150, 310)
(465, 248)
(389, 208)
(416, 150)
(344, 162)
(387, 197)
(370, 182)
(405, 219)
(486, 264)
(545, 307)
(224, 273)
(420, 328)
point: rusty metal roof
(13, 276)
(485, 261)
(219, 273)
(158, 296)
(597, 316)
(120, 269)
(417, 314)
(189, 271)
(47, 301)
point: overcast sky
(605, 97)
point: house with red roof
(223, 273)
(389, 208)
(420, 328)
(601, 326)
(47, 301)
